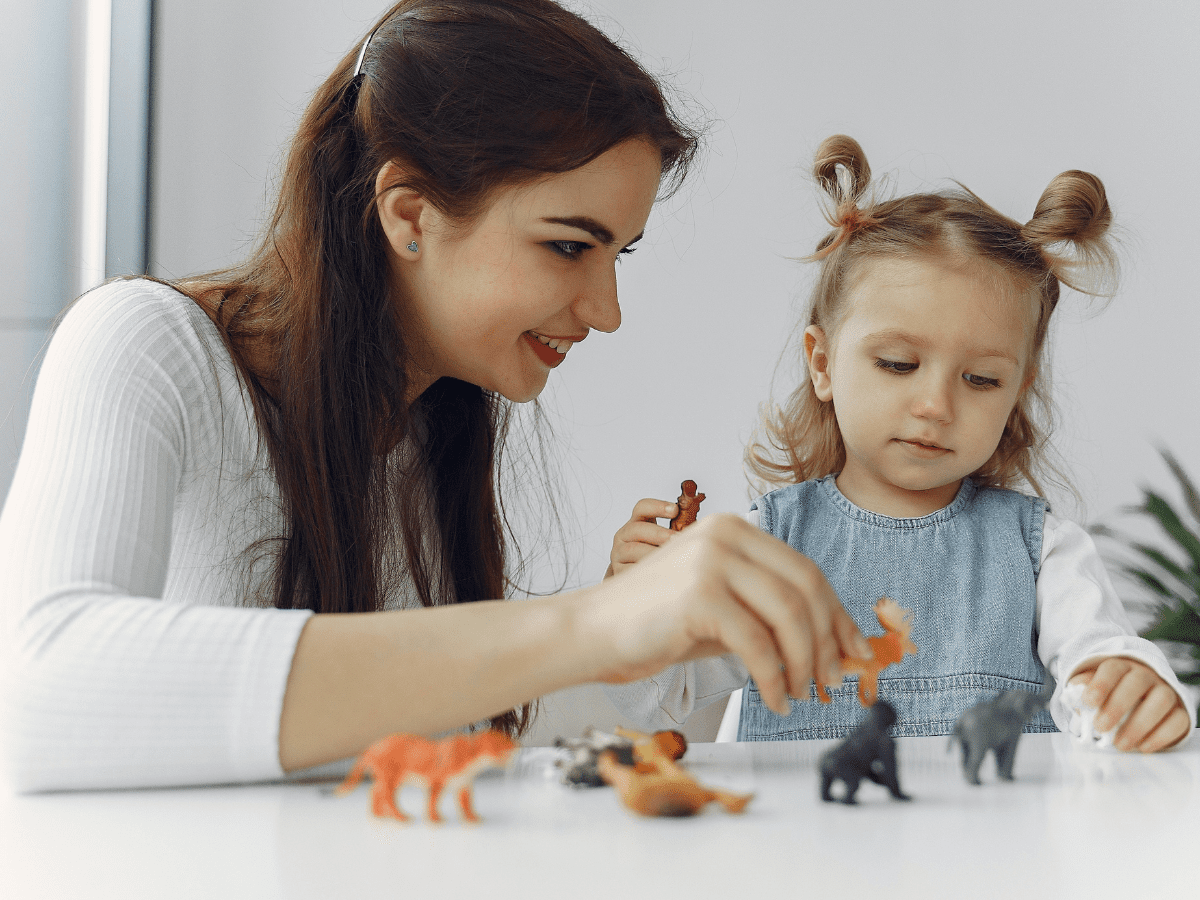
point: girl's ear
(816, 355)
(400, 211)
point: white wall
(999, 96)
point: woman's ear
(400, 210)
(816, 355)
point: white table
(1075, 823)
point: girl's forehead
(939, 296)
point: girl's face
(501, 305)
(923, 373)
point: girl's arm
(1084, 632)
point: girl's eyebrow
(899, 336)
(586, 223)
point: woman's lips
(547, 354)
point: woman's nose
(597, 305)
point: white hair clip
(362, 55)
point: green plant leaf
(1161, 510)
(1189, 677)
(1151, 581)
(1189, 579)
(1191, 495)
(1181, 625)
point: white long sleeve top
(136, 657)
(1080, 620)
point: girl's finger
(1104, 679)
(1168, 731)
(628, 554)
(1123, 698)
(635, 531)
(1145, 717)
(649, 509)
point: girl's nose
(597, 305)
(933, 401)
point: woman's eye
(981, 381)
(893, 365)
(568, 249)
(624, 252)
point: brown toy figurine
(452, 762)
(689, 506)
(656, 785)
(888, 648)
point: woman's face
(502, 304)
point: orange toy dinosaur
(689, 506)
(889, 648)
(452, 762)
(656, 785)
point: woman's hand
(1120, 686)
(720, 586)
(640, 534)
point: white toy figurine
(1083, 720)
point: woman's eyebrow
(591, 226)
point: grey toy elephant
(995, 725)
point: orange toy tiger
(889, 648)
(452, 762)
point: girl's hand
(720, 586)
(1120, 686)
(640, 534)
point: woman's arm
(719, 587)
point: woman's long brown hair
(467, 96)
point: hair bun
(1073, 208)
(841, 169)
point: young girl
(216, 472)
(926, 360)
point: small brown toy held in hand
(452, 762)
(656, 785)
(888, 648)
(689, 506)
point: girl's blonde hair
(1066, 242)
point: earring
(413, 247)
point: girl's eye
(981, 382)
(893, 365)
(568, 249)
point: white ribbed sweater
(135, 660)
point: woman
(217, 472)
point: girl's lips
(548, 355)
(928, 451)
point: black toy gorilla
(867, 752)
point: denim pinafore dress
(968, 573)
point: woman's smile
(551, 350)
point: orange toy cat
(452, 762)
(889, 648)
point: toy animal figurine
(888, 648)
(579, 770)
(656, 785)
(689, 506)
(1083, 718)
(995, 725)
(452, 762)
(866, 752)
